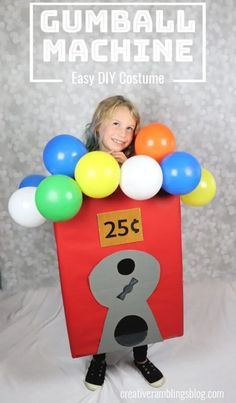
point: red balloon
(155, 140)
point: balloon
(98, 174)
(22, 208)
(155, 140)
(141, 177)
(58, 198)
(204, 192)
(62, 153)
(181, 173)
(31, 180)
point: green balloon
(58, 198)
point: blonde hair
(104, 109)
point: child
(114, 125)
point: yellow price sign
(121, 226)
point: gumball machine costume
(128, 292)
(118, 237)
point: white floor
(36, 366)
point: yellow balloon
(98, 174)
(203, 193)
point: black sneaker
(151, 373)
(95, 375)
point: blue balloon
(62, 153)
(31, 181)
(181, 173)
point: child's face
(117, 131)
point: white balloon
(141, 177)
(22, 208)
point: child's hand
(119, 156)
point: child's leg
(140, 353)
(151, 373)
(96, 372)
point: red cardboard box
(145, 236)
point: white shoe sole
(159, 383)
(92, 387)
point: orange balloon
(155, 140)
